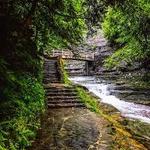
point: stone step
(50, 64)
(50, 69)
(50, 81)
(64, 102)
(51, 77)
(48, 92)
(49, 89)
(50, 61)
(62, 97)
(50, 72)
(61, 94)
(61, 88)
(65, 105)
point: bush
(126, 25)
(28, 102)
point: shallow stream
(110, 93)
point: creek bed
(131, 103)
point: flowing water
(104, 89)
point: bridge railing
(68, 54)
(65, 54)
(88, 56)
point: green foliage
(28, 29)
(89, 101)
(59, 23)
(126, 25)
(27, 104)
(126, 55)
(95, 12)
(63, 72)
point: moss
(63, 73)
(139, 130)
(90, 102)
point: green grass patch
(89, 101)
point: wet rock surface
(139, 130)
(125, 91)
(72, 129)
(74, 67)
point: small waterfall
(127, 109)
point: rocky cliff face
(74, 67)
(102, 50)
(97, 44)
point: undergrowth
(126, 26)
(21, 113)
(63, 72)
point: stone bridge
(67, 54)
(76, 64)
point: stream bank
(130, 111)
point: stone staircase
(62, 97)
(58, 95)
(51, 74)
